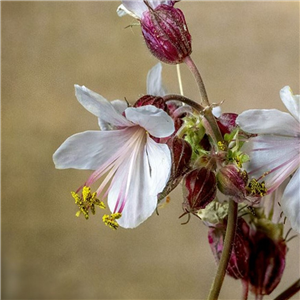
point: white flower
(136, 8)
(275, 151)
(136, 167)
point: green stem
(289, 292)
(204, 99)
(193, 68)
(228, 243)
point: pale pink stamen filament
(129, 151)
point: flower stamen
(256, 188)
(87, 201)
(110, 220)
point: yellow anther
(86, 202)
(256, 188)
(110, 220)
(221, 146)
(86, 193)
(76, 197)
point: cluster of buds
(258, 254)
(216, 170)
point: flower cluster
(259, 250)
(224, 161)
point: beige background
(246, 52)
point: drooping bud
(267, 259)
(239, 259)
(181, 153)
(200, 189)
(151, 100)
(232, 181)
(166, 34)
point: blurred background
(246, 52)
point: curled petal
(136, 8)
(120, 107)
(133, 8)
(154, 81)
(291, 201)
(268, 121)
(157, 122)
(291, 102)
(100, 107)
(217, 111)
(122, 11)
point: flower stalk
(193, 68)
(204, 98)
(185, 100)
(289, 292)
(228, 243)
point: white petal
(156, 121)
(154, 81)
(160, 164)
(292, 102)
(90, 149)
(145, 172)
(140, 202)
(291, 201)
(123, 11)
(100, 107)
(134, 8)
(277, 153)
(268, 121)
(217, 111)
(120, 107)
(271, 203)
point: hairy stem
(228, 243)
(179, 79)
(194, 70)
(185, 100)
(289, 292)
(204, 99)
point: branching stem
(194, 70)
(185, 100)
(204, 99)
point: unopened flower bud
(166, 33)
(266, 261)
(232, 181)
(181, 153)
(151, 100)
(200, 187)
